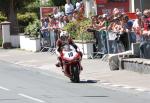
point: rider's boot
(58, 64)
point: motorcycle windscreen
(69, 53)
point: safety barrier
(48, 41)
(109, 42)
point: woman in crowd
(145, 44)
(137, 26)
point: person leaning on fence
(126, 27)
(44, 28)
(145, 44)
(138, 26)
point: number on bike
(70, 54)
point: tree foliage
(2, 17)
(11, 7)
(32, 30)
(57, 2)
(5, 5)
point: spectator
(123, 32)
(78, 4)
(100, 22)
(104, 23)
(137, 26)
(61, 22)
(116, 12)
(146, 20)
(56, 13)
(75, 16)
(66, 20)
(69, 9)
(145, 44)
(44, 28)
(94, 22)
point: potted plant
(30, 40)
(83, 38)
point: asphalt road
(19, 84)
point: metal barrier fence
(48, 41)
(109, 42)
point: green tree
(57, 2)
(10, 7)
(73, 2)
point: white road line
(115, 85)
(141, 90)
(31, 98)
(106, 83)
(3, 88)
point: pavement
(93, 69)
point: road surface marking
(141, 90)
(3, 88)
(127, 87)
(106, 83)
(31, 98)
(115, 85)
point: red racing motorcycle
(70, 63)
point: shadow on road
(89, 81)
(93, 96)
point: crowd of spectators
(52, 25)
(126, 30)
(58, 19)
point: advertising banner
(101, 1)
(122, 5)
(45, 11)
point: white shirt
(69, 8)
(78, 5)
(57, 15)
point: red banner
(131, 15)
(109, 6)
(45, 11)
(101, 1)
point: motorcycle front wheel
(75, 74)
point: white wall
(15, 41)
(86, 49)
(6, 32)
(29, 44)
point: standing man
(68, 8)
(78, 4)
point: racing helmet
(64, 35)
